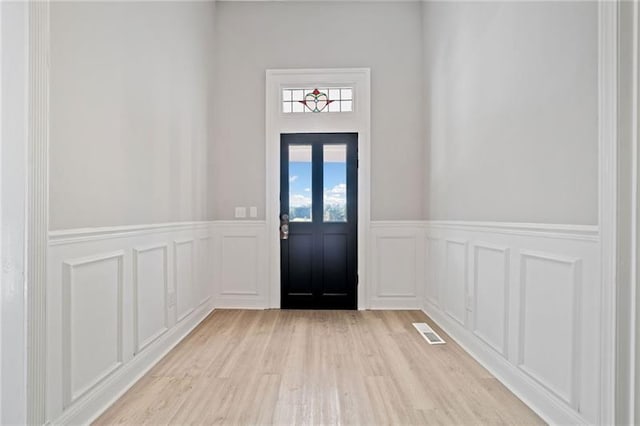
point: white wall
(511, 110)
(13, 167)
(255, 36)
(130, 112)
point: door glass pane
(300, 183)
(335, 183)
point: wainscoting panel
(92, 300)
(433, 257)
(522, 299)
(184, 262)
(490, 266)
(549, 316)
(111, 309)
(397, 269)
(522, 314)
(240, 263)
(455, 291)
(151, 291)
(205, 271)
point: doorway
(358, 121)
(319, 220)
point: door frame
(608, 202)
(33, 196)
(277, 122)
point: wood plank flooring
(317, 367)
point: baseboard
(532, 394)
(103, 396)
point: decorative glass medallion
(316, 101)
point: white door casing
(277, 122)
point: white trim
(607, 188)
(3, 199)
(277, 122)
(37, 209)
(564, 231)
(324, 1)
(635, 215)
(79, 235)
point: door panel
(318, 206)
(335, 277)
(300, 270)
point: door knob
(284, 226)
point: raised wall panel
(92, 321)
(184, 277)
(240, 265)
(533, 315)
(151, 317)
(396, 266)
(455, 292)
(491, 295)
(205, 278)
(433, 257)
(549, 318)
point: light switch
(241, 212)
(253, 211)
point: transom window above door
(317, 100)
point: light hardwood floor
(317, 367)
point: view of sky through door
(334, 185)
(300, 199)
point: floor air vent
(428, 333)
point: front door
(318, 220)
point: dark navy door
(318, 220)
